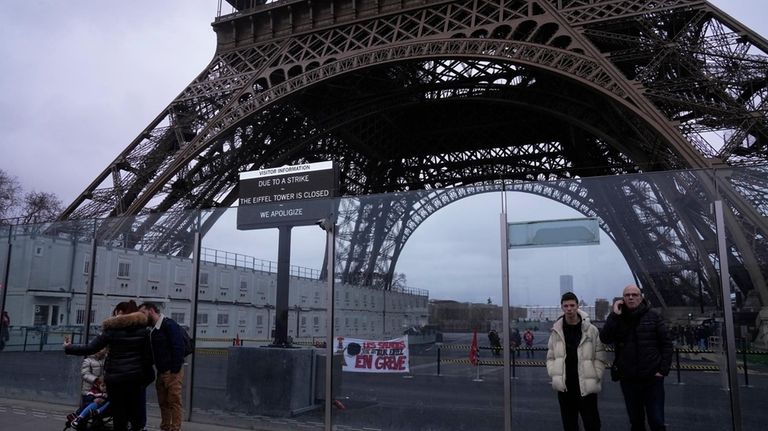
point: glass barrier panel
(417, 292)
(743, 193)
(140, 259)
(417, 305)
(650, 229)
(42, 289)
(241, 378)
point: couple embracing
(139, 337)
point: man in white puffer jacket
(575, 362)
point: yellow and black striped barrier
(541, 363)
(211, 352)
(678, 367)
(497, 362)
(466, 347)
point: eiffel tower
(445, 99)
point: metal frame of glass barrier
(505, 344)
(725, 286)
(330, 254)
(6, 270)
(188, 392)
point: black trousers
(572, 404)
(126, 399)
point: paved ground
(423, 401)
(19, 415)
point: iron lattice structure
(451, 98)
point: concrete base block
(278, 382)
(761, 341)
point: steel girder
(512, 91)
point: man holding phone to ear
(643, 355)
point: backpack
(189, 343)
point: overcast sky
(81, 78)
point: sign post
(284, 197)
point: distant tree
(40, 207)
(489, 301)
(399, 280)
(10, 193)
(29, 207)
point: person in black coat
(643, 356)
(128, 366)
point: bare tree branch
(10, 194)
(40, 207)
(31, 207)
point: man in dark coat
(168, 352)
(495, 341)
(128, 367)
(516, 340)
(643, 355)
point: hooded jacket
(643, 346)
(130, 356)
(591, 357)
(91, 369)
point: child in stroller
(93, 415)
(94, 403)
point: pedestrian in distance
(575, 362)
(5, 331)
(528, 338)
(516, 340)
(167, 343)
(128, 366)
(643, 358)
(495, 342)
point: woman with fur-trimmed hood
(128, 366)
(575, 362)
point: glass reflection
(241, 376)
(742, 192)
(422, 265)
(438, 294)
(651, 235)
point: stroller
(91, 415)
(93, 421)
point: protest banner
(374, 356)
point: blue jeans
(645, 398)
(97, 409)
